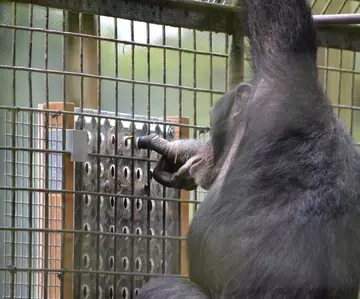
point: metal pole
(342, 19)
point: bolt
(171, 132)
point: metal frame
(186, 14)
(49, 229)
(206, 16)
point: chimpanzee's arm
(171, 288)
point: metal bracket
(76, 143)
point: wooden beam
(86, 24)
(55, 209)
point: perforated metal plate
(121, 214)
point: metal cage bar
(53, 265)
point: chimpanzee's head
(227, 119)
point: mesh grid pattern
(143, 69)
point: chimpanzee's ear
(243, 89)
(230, 104)
(242, 94)
(223, 114)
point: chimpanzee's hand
(173, 167)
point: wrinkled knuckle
(153, 135)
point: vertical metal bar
(164, 77)
(194, 85)
(132, 284)
(326, 73)
(164, 135)
(116, 145)
(47, 124)
(148, 191)
(195, 102)
(13, 159)
(98, 158)
(180, 136)
(211, 69)
(7, 181)
(180, 77)
(81, 28)
(21, 200)
(226, 62)
(63, 172)
(340, 79)
(81, 54)
(352, 94)
(31, 120)
(55, 206)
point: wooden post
(236, 61)
(55, 210)
(184, 195)
(73, 94)
(89, 62)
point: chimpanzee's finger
(182, 178)
(178, 180)
(172, 180)
(160, 174)
(153, 142)
(162, 177)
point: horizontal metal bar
(99, 116)
(107, 78)
(61, 271)
(109, 39)
(346, 107)
(59, 152)
(338, 69)
(56, 191)
(83, 232)
(341, 19)
(330, 68)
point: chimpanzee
(281, 218)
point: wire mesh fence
(339, 70)
(21, 170)
(99, 227)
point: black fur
(281, 220)
(171, 288)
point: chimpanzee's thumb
(154, 142)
